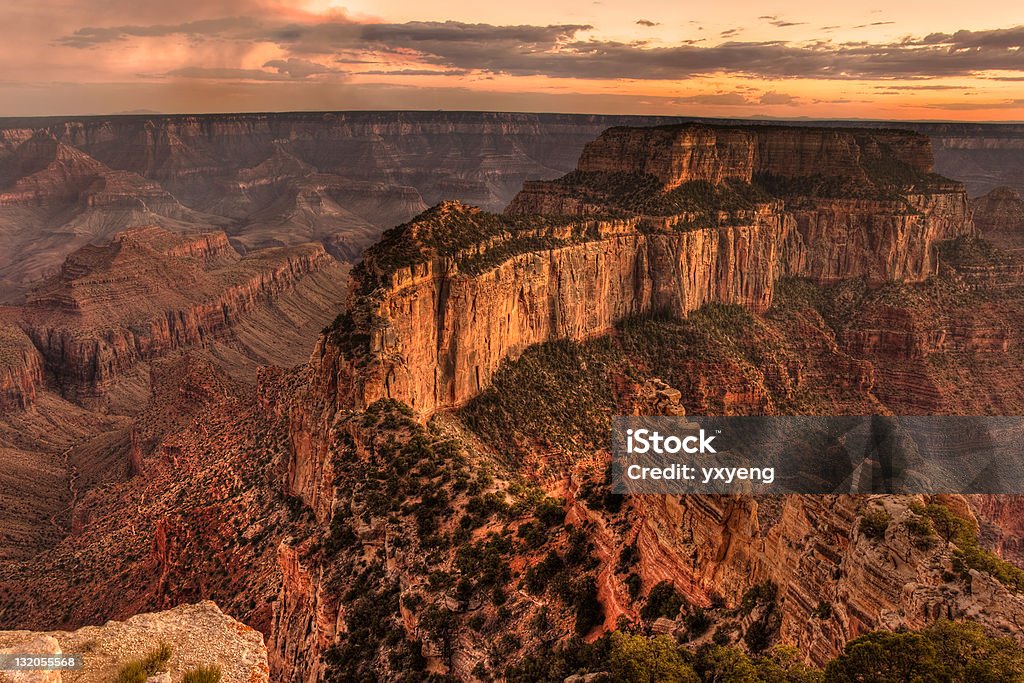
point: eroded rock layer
(145, 294)
(447, 297)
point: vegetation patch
(138, 670)
(203, 674)
(644, 194)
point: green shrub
(588, 608)
(634, 584)
(922, 532)
(663, 601)
(823, 610)
(138, 670)
(203, 674)
(763, 594)
(697, 622)
(945, 651)
(874, 523)
(636, 659)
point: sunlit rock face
(659, 220)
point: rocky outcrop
(147, 293)
(446, 298)
(198, 635)
(680, 154)
(816, 555)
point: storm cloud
(564, 51)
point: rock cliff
(999, 216)
(148, 293)
(444, 299)
(21, 368)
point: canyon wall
(148, 293)
(680, 154)
(434, 323)
(21, 368)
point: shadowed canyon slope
(77, 358)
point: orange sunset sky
(791, 58)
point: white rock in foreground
(199, 635)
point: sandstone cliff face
(438, 323)
(999, 216)
(453, 330)
(681, 154)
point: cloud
(645, 22)
(563, 51)
(875, 23)
(975, 106)
(415, 72)
(781, 23)
(724, 98)
(226, 73)
(227, 27)
(770, 98)
(299, 68)
(913, 86)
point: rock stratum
(148, 293)
(660, 220)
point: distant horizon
(282, 112)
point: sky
(899, 60)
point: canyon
(425, 491)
